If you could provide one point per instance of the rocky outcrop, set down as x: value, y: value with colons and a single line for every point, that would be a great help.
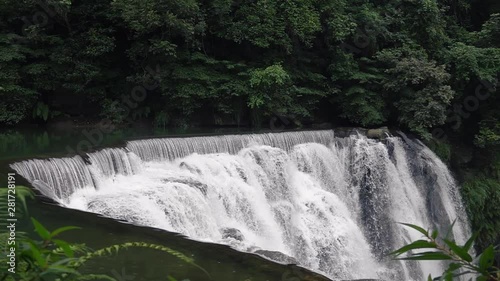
x: 344, y: 132
x: 233, y: 233
x: 277, y: 256
x: 364, y: 280
x: 188, y: 181
x: 380, y: 133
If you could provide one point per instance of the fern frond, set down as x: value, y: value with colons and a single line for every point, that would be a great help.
x: 115, y: 248
x: 96, y: 277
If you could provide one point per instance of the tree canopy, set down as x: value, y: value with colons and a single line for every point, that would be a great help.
x: 399, y: 62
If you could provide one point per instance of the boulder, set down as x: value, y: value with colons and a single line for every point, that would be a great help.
x: 277, y: 256
x: 345, y: 132
x: 380, y: 133
x: 233, y: 233
x: 188, y: 181
x: 364, y: 280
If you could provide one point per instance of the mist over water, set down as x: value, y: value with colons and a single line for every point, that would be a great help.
x: 330, y: 204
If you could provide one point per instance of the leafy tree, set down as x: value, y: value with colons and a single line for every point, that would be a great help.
x: 16, y: 99
x: 363, y: 100
x: 421, y: 91
x: 266, y: 23
x: 274, y: 93
x: 482, y: 194
x: 488, y: 36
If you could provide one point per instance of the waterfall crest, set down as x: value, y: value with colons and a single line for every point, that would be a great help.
x: 326, y: 203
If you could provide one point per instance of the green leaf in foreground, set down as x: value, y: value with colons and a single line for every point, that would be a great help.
x: 417, y: 228
x: 470, y: 242
x: 40, y: 229
x: 487, y: 258
x: 459, y: 251
x: 61, y: 230
x: 427, y: 256
x: 419, y: 244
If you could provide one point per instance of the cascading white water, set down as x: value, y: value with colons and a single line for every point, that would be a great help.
x: 329, y: 204
x: 56, y: 178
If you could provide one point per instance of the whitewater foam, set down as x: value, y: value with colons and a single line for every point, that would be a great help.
x: 330, y: 203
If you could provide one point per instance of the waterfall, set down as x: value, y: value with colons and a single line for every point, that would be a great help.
x: 327, y: 203
x: 57, y: 177
x: 172, y: 148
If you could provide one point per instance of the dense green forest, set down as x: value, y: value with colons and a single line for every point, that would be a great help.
x: 426, y: 66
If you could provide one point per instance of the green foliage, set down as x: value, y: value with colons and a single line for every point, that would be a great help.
x: 489, y: 133
x: 41, y: 111
x: 141, y: 112
x: 488, y: 36
x: 268, y: 23
x: 421, y: 90
x: 20, y: 194
x: 161, y: 120
x: 482, y: 195
x: 173, y: 18
x: 115, y: 111
x: 270, y: 84
x: 391, y: 63
x: 425, y: 20
x: 471, y: 62
x: 363, y: 106
x: 436, y: 248
x: 441, y: 148
x: 362, y: 101
x: 16, y: 99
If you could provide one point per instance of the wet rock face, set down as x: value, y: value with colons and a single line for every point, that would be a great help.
x: 277, y: 256
x: 188, y: 181
x: 379, y: 133
x: 364, y: 280
x: 232, y: 233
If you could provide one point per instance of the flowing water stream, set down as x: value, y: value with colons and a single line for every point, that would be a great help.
x: 327, y: 203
